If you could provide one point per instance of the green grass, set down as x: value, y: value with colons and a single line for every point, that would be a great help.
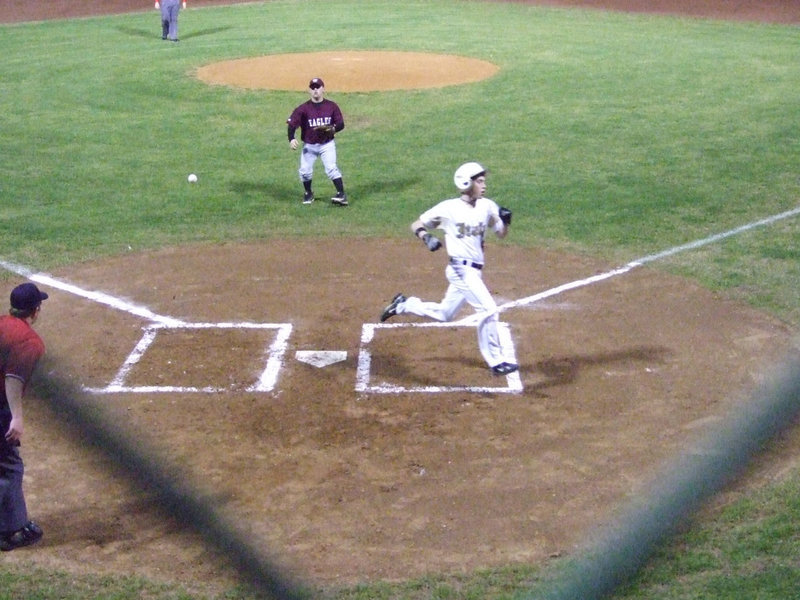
x: 39, y: 584
x: 607, y: 134
x: 749, y: 551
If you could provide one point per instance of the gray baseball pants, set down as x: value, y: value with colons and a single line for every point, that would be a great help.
x: 169, y: 17
x: 326, y: 153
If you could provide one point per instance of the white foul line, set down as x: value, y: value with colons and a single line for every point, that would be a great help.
x: 98, y: 297
x: 719, y: 236
x: 636, y: 263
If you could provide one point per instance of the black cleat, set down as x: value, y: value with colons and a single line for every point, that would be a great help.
x: 504, y: 368
x: 391, y: 309
x: 308, y: 197
x: 29, y: 534
x: 340, y: 199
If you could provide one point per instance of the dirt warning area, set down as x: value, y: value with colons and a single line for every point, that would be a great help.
x: 422, y: 461
x: 768, y: 11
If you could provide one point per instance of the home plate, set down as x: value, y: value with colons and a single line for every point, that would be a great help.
x: 321, y: 358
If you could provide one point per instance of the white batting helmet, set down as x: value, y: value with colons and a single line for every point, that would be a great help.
x: 465, y: 174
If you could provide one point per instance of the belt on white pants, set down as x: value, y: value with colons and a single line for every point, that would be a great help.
x: 466, y: 263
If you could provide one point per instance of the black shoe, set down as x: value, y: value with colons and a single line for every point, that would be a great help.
x: 308, y: 197
x: 391, y: 309
x: 504, y: 368
x: 340, y: 199
x: 29, y: 534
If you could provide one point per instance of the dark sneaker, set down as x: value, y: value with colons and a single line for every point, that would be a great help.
x: 340, y: 199
x: 308, y: 197
x: 391, y: 309
x: 504, y: 368
x: 29, y: 534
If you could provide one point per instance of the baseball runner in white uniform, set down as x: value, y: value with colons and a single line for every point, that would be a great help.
x: 465, y: 221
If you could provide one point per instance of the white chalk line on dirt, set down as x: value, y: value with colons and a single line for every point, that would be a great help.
x: 363, y: 372
x: 99, y: 297
x: 635, y: 263
x: 267, y: 378
x: 265, y: 383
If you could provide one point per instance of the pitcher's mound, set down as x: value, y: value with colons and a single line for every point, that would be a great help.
x: 348, y: 71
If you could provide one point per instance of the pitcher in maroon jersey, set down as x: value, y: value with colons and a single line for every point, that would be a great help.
x: 319, y: 120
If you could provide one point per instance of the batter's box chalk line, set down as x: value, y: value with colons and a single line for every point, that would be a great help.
x: 364, y: 382
x: 274, y: 357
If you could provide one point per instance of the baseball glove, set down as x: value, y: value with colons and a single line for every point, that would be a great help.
x: 505, y: 216
x: 431, y: 242
x: 325, y: 132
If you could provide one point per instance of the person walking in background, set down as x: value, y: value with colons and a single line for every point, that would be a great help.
x: 20, y: 351
x: 319, y: 120
x: 465, y: 221
x: 169, y: 18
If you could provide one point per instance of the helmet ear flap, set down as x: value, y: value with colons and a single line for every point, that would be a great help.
x: 465, y: 174
x: 462, y: 183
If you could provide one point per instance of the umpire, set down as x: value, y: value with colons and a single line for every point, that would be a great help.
x: 20, y: 351
x: 169, y: 18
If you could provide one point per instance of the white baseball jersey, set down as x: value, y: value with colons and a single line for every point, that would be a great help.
x: 464, y: 225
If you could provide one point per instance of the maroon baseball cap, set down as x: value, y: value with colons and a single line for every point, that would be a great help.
x: 27, y: 297
x: 316, y: 83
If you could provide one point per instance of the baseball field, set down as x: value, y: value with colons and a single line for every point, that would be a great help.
x: 649, y: 285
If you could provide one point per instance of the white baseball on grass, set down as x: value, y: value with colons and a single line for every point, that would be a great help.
x: 192, y: 178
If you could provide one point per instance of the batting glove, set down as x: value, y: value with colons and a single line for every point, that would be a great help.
x: 431, y: 242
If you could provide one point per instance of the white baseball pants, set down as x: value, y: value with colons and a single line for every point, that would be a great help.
x: 466, y: 285
x: 326, y: 153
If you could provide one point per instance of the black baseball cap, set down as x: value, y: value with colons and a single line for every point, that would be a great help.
x: 27, y: 297
x: 316, y: 83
